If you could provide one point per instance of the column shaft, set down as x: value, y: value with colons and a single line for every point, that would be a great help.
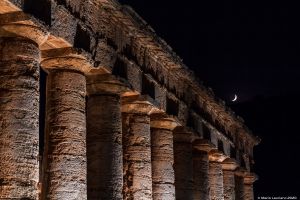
x: 104, y: 147
x: 200, y: 174
x: 216, y: 181
x: 229, y: 185
x: 19, y: 118
x: 183, y: 156
x: 66, y: 134
x: 137, y: 156
x: 162, y: 164
x: 248, y: 192
x: 239, y: 188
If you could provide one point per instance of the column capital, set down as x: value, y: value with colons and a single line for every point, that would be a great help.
x: 229, y: 164
x: 249, y: 177
x: 7, y: 7
x: 16, y: 24
x: 216, y: 156
x: 162, y: 121
x: 203, y: 145
x: 139, y: 105
x: 105, y: 84
x: 66, y: 58
x: 181, y: 134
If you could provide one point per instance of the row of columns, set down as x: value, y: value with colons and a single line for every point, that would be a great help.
x: 105, y: 148
x: 210, y: 175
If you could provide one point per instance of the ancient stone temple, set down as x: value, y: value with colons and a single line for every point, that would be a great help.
x: 122, y: 116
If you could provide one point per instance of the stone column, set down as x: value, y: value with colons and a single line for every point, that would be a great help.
x: 19, y: 109
x: 229, y: 165
x: 244, y: 184
x: 249, y: 179
x: 183, y: 165
x: 201, y: 168
x: 216, y: 175
x: 137, y: 149
x: 239, y: 185
x: 104, y: 138
x: 65, y: 127
x: 162, y: 158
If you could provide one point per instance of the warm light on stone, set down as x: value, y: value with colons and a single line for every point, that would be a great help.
x: 19, y: 111
x: 104, y: 138
x: 163, y: 158
x: 124, y: 118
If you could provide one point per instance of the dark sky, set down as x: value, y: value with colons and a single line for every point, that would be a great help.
x: 251, y: 48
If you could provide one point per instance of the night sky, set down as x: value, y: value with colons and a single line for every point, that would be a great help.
x: 248, y: 48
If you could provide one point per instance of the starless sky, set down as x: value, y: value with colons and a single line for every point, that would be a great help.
x: 250, y: 48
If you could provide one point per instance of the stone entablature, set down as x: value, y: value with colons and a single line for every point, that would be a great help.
x: 150, y: 86
x: 105, y: 27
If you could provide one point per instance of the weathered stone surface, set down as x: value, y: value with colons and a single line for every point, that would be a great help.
x: 229, y: 166
x: 239, y: 187
x: 183, y: 166
x: 229, y: 185
x: 137, y: 156
x: 249, y: 179
x: 104, y: 141
x: 216, y: 181
x: 248, y: 192
x: 19, y: 120
x: 31, y: 32
x: 108, y: 32
x: 244, y: 184
x: 201, y: 175
x: 162, y: 159
x: 66, y: 135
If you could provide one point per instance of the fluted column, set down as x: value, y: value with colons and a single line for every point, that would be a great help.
x: 162, y: 158
x: 201, y: 169
x: 19, y: 109
x: 137, y: 149
x: 183, y: 165
x: 216, y: 175
x: 229, y: 165
x: 65, y: 127
x: 104, y: 138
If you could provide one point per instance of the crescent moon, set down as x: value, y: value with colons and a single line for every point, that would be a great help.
x: 235, y: 98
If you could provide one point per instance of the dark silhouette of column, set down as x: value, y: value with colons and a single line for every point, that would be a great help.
x: 201, y: 168
x: 239, y: 185
x: 104, y: 138
x: 183, y: 165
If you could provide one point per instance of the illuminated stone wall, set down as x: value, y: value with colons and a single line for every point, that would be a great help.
x: 125, y: 118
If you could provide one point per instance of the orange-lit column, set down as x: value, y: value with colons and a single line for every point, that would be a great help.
x: 162, y: 158
x: 201, y: 168
x: 229, y: 165
x: 249, y: 179
x: 216, y: 175
x: 104, y: 138
x: 19, y: 110
x: 137, y: 149
x: 183, y: 165
x: 66, y: 170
